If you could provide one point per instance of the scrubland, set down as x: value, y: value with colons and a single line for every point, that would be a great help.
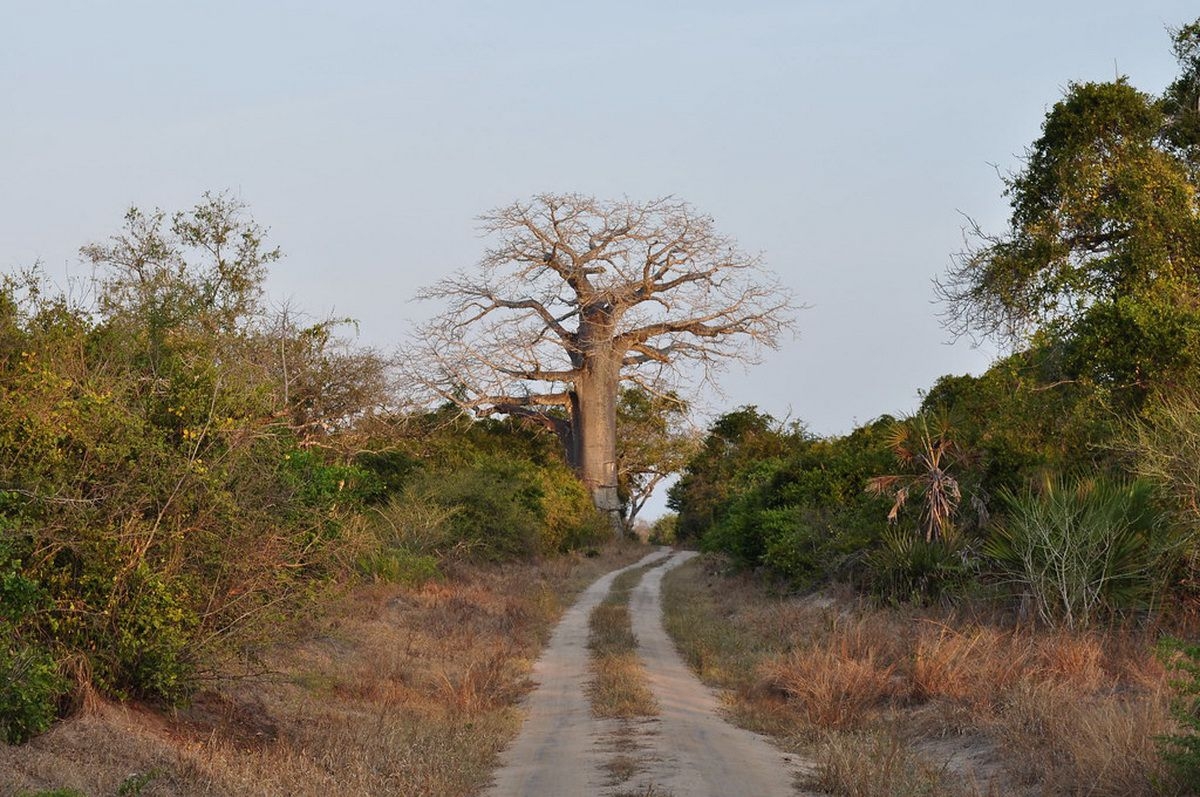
x: 395, y: 690
x: 908, y: 701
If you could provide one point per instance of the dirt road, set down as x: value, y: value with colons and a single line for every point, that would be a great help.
x: 556, y: 753
x: 688, y: 751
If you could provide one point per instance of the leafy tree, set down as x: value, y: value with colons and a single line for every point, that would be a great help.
x: 736, y: 441
x: 1020, y: 426
x: 578, y: 296
x: 650, y: 445
x: 1181, y: 100
x: 1101, y: 261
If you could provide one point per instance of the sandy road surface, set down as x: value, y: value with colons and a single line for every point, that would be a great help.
x: 689, y: 751
x: 696, y: 752
x: 556, y: 752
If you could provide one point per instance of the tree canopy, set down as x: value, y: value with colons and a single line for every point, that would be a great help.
x: 1101, y: 260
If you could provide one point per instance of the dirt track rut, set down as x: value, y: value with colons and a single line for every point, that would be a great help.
x: 688, y: 751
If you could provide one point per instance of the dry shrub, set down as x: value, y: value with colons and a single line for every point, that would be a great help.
x: 1066, y: 712
x: 833, y: 687
x: 484, y: 684
x: 973, y: 667
x: 1074, y: 660
x: 1130, y: 660
x: 1070, y: 744
x: 874, y: 765
x: 775, y: 622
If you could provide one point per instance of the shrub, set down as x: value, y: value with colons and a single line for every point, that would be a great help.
x: 663, y: 530
x: 169, y: 455
x: 1081, y: 550
x: 30, y: 688
x: 974, y: 666
x: 908, y: 567
x: 1181, y: 750
x: 400, y: 566
x: 833, y: 687
x: 496, y: 507
x: 30, y: 684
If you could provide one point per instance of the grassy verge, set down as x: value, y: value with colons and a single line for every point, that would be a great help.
x: 618, y: 689
x: 906, y: 702
x: 396, y: 690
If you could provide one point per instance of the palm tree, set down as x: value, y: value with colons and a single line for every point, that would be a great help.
x: 924, y: 445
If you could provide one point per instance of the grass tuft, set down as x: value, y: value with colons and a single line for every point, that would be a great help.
x: 618, y: 689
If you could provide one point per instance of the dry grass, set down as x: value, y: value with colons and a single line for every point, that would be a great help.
x: 396, y: 690
x: 1064, y: 742
x: 618, y: 688
x: 876, y: 764
x: 832, y: 689
x: 971, y: 667
x: 1040, y: 711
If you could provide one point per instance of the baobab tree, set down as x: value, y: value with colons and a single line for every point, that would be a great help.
x: 577, y: 296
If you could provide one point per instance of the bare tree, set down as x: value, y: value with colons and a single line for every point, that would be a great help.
x: 578, y: 295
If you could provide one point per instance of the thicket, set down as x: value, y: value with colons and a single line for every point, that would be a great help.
x: 182, y: 468
x: 457, y: 488
x: 1062, y: 481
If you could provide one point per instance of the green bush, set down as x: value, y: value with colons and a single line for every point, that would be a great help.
x: 1181, y: 750
x: 1082, y: 550
x: 151, y: 637
x: 30, y: 690
x: 497, y: 507
x: 30, y: 684
x: 400, y: 566
x: 907, y: 567
x: 170, y: 455
x: 663, y: 530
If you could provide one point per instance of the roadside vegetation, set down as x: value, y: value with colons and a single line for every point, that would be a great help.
x: 394, y: 689
x: 952, y: 700
x: 232, y: 562
x: 1013, y: 567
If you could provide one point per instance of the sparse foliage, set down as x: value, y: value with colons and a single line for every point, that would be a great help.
x: 925, y: 445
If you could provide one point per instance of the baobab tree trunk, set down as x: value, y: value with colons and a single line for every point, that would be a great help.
x: 594, y: 422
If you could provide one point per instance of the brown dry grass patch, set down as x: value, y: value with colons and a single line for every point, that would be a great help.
x: 831, y: 689
x: 395, y: 690
x: 876, y: 764
x: 1063, y: 742
x: 618, y: 689
x: 1044, y: 711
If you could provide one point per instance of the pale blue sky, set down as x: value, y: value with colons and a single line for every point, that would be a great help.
x: 840, y: 139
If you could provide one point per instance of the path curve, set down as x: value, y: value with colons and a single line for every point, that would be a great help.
x: 695, y: 752
x: 555, y: 753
